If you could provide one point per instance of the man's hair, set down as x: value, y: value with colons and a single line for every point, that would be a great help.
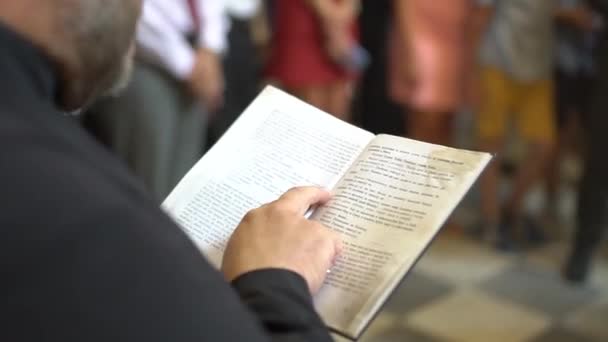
x: 101, y: 32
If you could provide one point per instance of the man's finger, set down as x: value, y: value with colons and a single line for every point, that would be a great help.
x: 302, y: 198
x: 339, y: 245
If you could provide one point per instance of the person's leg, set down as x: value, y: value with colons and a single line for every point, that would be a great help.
x: 591, y: 217
x: 314, y: 95
x: 139, y: 125
x: 563, y: 113
x: 593, y: 192
x: 242, y: 75
x: 432, y: 127
x: 528, y: 173
x: 491, y: 124
x: 565, y: 141
x: 110, y: 121
x: 535, y: 110
x: 377, y: 112
x: 154, y: 104
x: 489, y: 182
x: 339, y: 97
x: 189, y: 139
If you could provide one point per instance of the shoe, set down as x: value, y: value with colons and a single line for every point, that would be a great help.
x: 483, y: 231
x: 577, y: 267
x: 505, y: 241
x: 506, y: 244
x: 533, y: 232
x: 476, y: 230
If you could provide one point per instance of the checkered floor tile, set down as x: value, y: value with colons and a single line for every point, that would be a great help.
x: 464, y: 291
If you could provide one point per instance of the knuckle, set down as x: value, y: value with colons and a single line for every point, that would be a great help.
x: 318, y: 227
x: 250, y: 215
x: 288, y: 194
x: 262, y: 209
x: 322, y: 234
x: 324, y: 229
x: 281, y: 210
x: 295, y: 189
x: 295, y: 192
x: 275, y: 208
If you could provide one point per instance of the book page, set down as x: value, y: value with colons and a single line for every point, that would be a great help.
x: 388, y: 207
x: 278, y: 143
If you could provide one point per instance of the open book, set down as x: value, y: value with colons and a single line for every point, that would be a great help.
x: 391, y: 196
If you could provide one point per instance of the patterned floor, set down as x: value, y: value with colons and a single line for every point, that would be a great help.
x: 464, y: 291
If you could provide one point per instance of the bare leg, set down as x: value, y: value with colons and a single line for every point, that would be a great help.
x: 339, y: 99
x: 431, y: 127
x: 552, y: 175
x: 528, y: 173
x: 489, y: 182
x: 565, y: 139
x: 314, y: 95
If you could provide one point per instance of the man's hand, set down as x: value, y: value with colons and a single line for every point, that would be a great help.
x: 207, y: 80
x: 277, y: 235
x: 336, y: 20
x: 338, y: 43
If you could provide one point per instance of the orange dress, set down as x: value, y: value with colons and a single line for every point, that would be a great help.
x: 427, y: 70
x: 298, y: 56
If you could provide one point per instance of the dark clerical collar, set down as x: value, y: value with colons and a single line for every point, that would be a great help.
x: 23, y: 65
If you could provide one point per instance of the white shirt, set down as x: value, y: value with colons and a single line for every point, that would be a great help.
x: 242, y: 9
x: 164, y: 26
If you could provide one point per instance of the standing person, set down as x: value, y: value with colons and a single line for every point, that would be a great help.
x: 375, y: 110
x: 593, y: 193
x: 242, y: 65
x: 311, y: 51
x: 428, y: 62
x: 158, y: 125
x: 574, y: 73
x: 86, y: 254
x: 515, y: 79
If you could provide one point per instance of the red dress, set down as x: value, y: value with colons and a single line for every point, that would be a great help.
x: 298, y: 57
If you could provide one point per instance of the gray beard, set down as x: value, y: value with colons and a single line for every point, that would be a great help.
x: 121, y: 81
x: 124, y: 77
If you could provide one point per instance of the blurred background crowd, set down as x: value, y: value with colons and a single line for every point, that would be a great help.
x: 524, y: 79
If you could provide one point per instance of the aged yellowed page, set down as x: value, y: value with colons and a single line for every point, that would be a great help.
x: 388, y: 207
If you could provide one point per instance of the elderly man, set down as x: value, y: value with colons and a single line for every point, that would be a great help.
x: 86, y: 255
x: 516, y: 64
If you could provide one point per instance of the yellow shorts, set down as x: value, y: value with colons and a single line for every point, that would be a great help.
x: 529, y: 104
